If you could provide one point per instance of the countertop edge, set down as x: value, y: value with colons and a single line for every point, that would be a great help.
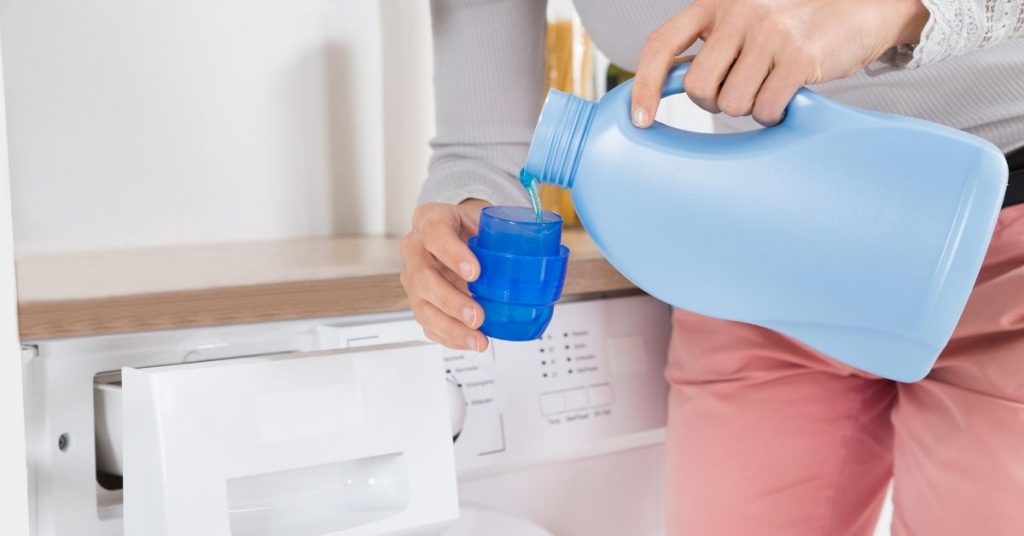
x: 265, y: 302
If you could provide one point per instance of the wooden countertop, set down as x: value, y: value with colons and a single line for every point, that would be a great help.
x: 96, y: 293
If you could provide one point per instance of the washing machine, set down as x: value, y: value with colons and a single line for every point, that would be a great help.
x: 353, y: 426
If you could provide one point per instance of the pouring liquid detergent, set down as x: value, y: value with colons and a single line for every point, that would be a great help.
x: 530, y: 184
x: 857, y: 233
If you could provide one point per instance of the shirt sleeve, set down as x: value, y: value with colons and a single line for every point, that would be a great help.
x: 488, y: 84
x: 957, y: 27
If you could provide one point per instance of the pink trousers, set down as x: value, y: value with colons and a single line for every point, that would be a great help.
x: 766, y: 437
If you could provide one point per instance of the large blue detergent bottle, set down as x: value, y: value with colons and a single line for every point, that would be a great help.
x: 859, y: 234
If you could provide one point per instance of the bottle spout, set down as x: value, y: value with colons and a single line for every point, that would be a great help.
x: 559, y: 138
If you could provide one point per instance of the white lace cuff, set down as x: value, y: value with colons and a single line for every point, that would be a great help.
x: 956, y: 27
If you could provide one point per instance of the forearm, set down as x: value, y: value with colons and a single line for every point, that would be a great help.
x: 488, y: 83
x: 485, y: 171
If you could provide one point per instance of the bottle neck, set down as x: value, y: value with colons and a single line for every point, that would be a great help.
x: 559, y: 138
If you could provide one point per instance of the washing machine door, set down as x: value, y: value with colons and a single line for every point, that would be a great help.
x: 476, y: 520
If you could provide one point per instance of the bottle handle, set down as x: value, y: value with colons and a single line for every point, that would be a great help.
x: 674, y: 80
x: 803, y: 101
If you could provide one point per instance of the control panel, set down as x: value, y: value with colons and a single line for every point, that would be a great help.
x: 592, y: 384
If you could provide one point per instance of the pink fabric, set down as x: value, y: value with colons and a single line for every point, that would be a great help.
x: 766, y: 437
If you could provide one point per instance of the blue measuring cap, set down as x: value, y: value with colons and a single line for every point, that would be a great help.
x: 522, y: 270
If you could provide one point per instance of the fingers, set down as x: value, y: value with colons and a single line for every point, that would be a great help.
x: 755, y: 57
x: 437, y: 227
x: 443, y: 329
x: 454, y: 279
x: 426, y: 283
x: 437, y: 296
x: 736, y: 98
x: 778, y: 89
x: 423, y: 278
x: 661, y: 48
x: 470, y: 212
x: 706, y: 74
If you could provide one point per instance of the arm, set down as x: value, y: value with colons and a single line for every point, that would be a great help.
x: 956, y: 27
x: 488, y: 79
x: 488, y: 84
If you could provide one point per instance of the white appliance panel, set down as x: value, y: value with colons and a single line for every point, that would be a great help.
x: 579, y: 412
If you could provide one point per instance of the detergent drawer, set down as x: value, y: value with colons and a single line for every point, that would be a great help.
x: 341, y: 442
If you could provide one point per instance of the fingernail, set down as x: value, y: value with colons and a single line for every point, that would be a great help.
x: 640, y: 117
x: 466, y: 269
x: 469, y: 316
x: 471, y: 342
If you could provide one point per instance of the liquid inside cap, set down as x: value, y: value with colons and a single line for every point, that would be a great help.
x: 516, y: 231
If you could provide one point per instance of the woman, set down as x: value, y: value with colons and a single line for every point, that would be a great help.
x: 764, y: 435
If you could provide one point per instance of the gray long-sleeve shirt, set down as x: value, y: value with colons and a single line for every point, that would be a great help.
x: 967, y: 72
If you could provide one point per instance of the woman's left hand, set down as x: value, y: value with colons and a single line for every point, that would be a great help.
x: 757, y: 53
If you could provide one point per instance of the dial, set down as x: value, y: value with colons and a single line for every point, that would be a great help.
x: 456, y: 407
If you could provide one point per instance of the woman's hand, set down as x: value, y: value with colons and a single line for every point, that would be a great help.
x: 438, y: 265
x: 757, y: 53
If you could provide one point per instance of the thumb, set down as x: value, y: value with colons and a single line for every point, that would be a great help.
x: 469, y: 214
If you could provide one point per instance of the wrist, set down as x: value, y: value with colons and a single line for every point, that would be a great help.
x: 913, y: 17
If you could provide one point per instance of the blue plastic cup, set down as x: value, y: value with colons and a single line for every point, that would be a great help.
x: 522, y: 271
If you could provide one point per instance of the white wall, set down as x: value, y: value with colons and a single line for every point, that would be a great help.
x: 408, y: 91
x: 144, y: 122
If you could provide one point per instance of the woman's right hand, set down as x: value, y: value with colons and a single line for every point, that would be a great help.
x: 438, y: 266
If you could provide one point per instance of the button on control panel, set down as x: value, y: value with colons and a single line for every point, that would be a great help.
x: 580, y: 398
x: 600, y: 395
x: 552, y: 403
